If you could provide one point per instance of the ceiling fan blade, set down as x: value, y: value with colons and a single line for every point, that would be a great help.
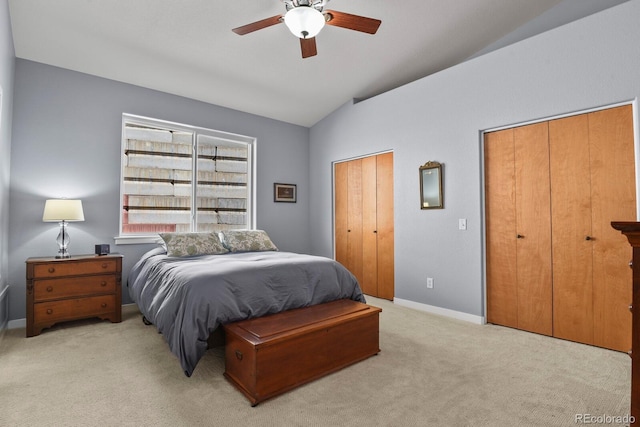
x: 308, y: 47
x: 352, y: 22
x: 258, y: 25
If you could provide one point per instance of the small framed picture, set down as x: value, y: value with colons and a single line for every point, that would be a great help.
x: 284, y: 193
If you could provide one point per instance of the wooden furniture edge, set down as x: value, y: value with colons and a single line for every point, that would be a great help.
x: 632, y: 231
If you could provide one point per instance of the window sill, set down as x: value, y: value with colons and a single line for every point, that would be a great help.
x: 137, y: 240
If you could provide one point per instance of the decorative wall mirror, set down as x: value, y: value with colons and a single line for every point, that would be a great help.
x: 431, y: 186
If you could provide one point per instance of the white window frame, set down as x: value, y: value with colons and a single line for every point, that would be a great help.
x: 195, y: 130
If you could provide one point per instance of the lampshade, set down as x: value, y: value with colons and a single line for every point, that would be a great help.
x: 62, y: 210
x: 304, y: 22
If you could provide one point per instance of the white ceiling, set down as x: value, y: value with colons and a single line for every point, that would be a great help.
x: 186, y: 47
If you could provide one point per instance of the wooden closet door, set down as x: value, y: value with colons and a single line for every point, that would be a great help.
x: 613, y: 194
x: 354, y: 219
x: 384, y: 226
x: 363, y: 191
x: 341, y: 197
x: 348, y: 216
x: 500, y: 214
x: 533, y: 228
x: 571, y: 227
x: 369, y: 283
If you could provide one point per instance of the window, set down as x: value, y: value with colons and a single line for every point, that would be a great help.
x: 180, y: 178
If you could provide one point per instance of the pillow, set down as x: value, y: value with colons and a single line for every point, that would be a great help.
x: 191, y: 244
x: 248, y: 241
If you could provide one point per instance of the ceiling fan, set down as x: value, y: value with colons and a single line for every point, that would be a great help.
x: 305, y: 19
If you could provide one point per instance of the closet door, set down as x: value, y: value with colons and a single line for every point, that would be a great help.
x: 517, y: 202
x: 354, y: 219
x: 341, y: 195
x: 533, y: 228
x: 613, y: 194
x: 369, y: 283
x: 364, y: 222
x: 500, y: 213
x: 348, y: 216
x: 572, y: 231
x: 384, y: 226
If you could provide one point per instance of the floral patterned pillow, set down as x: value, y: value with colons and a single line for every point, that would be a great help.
x: 191, y: 244
x: 248, y: 241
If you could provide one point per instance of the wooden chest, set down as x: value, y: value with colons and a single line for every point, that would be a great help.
x: 73, y: 288
x: 270, y: 355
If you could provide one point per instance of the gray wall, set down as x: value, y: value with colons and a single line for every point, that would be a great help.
x: 589, y: 63
x: 7, y: 61
x: 562, y: 13
x: 66, y: 143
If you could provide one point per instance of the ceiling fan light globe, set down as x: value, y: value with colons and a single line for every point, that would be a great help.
x: 304, y: 22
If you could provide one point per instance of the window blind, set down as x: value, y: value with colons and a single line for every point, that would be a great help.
x: 178, y: 181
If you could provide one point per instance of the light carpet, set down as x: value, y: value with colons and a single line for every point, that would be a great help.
x: 432, y: 371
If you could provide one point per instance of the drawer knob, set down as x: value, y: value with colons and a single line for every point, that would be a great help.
x: 49, y: 311
x: 49, y: 289
x: 51, y: 270
x: 238, y: 355
x: 105, y: 265
x: 103, y: 283
x: 103, y: 305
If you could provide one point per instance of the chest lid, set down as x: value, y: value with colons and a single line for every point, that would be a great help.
x: 296, y: 320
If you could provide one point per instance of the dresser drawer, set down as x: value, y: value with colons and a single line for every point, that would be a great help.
x: 73, y: 287
x: 69, y: 268
x: 54, y: 311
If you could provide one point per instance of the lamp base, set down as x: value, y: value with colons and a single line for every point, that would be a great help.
x: 63, y: 241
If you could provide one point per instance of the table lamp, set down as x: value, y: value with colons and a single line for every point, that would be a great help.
x: 63, y: 211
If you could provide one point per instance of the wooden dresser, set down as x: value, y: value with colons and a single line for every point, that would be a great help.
x: 632, y: 231
x: 73, y: 288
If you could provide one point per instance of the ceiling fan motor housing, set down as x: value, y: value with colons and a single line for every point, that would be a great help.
x: 316, y: 4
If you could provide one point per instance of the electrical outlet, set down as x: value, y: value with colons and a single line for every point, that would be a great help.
x: 429, y: 282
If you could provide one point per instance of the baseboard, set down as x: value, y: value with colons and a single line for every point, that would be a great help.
x: 479, y: 320
x: 17, y: 323
x: 4, y: 308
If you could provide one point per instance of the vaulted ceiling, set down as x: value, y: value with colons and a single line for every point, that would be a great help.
x: 187, y: 48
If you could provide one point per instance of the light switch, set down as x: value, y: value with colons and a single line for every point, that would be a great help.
x: 462, y: 224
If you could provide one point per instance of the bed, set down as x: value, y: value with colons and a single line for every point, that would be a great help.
x: 188, y: 290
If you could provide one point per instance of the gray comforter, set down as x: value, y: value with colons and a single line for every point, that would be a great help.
x: 188, y: 298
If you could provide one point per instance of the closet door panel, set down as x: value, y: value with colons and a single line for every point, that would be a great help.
x: 363, y: 191
x: 354, y: 219
x: 384, y: 220
x: 533, y: 223
x: 571, y: 225
x: 614, y: 199
x: 341, y: 189
x: 499, y: 166
x: 369, y: 283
